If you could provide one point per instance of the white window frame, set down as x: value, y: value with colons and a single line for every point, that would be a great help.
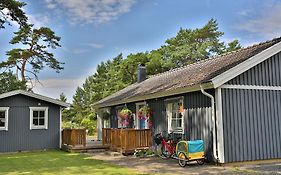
x: 46, y: 117
x: 170, y: 113
x: 137, y: 119
x: 6, y: 109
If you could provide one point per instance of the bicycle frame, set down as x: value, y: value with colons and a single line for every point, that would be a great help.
x: 169, y: 145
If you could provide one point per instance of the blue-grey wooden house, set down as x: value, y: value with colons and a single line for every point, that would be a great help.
x: 231, y: 101
x: 29, y: 121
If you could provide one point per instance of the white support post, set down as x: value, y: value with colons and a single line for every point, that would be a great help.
x: 219, y: 125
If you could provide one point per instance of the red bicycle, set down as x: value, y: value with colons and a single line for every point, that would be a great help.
x: 168, y: 145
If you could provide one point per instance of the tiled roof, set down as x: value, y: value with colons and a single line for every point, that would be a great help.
x: 194, y: 74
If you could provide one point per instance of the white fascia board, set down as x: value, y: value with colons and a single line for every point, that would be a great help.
x: 33, y: 95
x: 251, y: 87
x: 246, y: 65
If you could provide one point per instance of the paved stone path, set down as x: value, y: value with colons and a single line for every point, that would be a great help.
x: 156, y: 165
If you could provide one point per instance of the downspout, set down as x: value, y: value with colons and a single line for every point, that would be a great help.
x: 214, y: 127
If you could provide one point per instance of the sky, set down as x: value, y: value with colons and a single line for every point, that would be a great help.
x: 92, y: 31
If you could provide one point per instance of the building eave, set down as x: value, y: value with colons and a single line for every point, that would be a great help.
x: 208, y: 85
x: 246, y: 65
x: 33, y: 95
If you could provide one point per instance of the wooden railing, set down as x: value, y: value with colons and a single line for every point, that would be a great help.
x: 115, y: 138
x: 74, y: 137
x: 127, y: 140
x: 106, y: 136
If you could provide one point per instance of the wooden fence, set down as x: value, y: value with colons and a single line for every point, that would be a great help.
x: 127, y: 140
x: 74, y: 137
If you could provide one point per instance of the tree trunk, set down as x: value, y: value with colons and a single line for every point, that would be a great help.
x: 22, y: 71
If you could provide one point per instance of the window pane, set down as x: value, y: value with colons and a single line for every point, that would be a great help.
x: 2, y: 122
x: 42, y: 114
x: 2, y: 114
x: 35, y: 122
x: 35, y: 114
x: 41, y: 122
x: 173, y: 124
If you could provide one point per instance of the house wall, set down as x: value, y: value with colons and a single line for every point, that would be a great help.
x: 197, y: 121
x: 267, y: 73
x: 252, y: 117
x: 19, y: 137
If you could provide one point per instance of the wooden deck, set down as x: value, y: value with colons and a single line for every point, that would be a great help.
x: 75, y: 140
x: 126, y: 140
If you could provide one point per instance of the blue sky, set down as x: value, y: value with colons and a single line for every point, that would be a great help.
x: 92, y: 31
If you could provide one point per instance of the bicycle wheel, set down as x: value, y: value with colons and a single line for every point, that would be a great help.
x: 165, y: 154
x: 182, y: 159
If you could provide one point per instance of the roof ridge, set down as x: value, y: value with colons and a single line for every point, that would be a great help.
x: 216, y: 56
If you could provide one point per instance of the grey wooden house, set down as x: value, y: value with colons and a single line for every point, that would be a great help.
x: 29, y: 121
x: 232, y: 102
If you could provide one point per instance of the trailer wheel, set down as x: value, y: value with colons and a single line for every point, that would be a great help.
x: 182, y: 159
x: 200, y: 161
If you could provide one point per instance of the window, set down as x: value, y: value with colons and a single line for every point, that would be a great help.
x: 138, y: 122
x: 38, y: 117
x: 175, y: 114
x: 4, y: 118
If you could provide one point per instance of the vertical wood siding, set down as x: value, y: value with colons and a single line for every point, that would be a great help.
x: 19, y: 137
x: 251, y: 123
x: 252, y: 118
x: 267, y: 73
x: 197, y: 122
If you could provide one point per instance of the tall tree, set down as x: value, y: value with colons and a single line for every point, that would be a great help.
x: 130, y: 64
x: 9, y: 82
x: 11, y: 10
x: 191, y: 45
x: 232, y: 46
x: 35, y: 52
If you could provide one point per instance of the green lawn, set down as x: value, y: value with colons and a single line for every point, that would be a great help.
x: 56, y: 162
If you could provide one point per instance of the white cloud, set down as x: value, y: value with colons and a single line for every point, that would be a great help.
x: 94, y: 45
x: 54, y: 87
x: 89, y: 11
x: 39, y: 20
x: 75, y: 50
x: 267, y: 24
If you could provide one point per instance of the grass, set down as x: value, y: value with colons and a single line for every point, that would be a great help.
x: 56, y: 162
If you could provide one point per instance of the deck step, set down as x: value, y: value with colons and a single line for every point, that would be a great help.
x: 82, y: 149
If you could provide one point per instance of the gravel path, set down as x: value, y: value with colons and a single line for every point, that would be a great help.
x: 156, y: 165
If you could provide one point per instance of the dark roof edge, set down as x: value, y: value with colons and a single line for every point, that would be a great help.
x: 33, y: 95
x: 177, y: 91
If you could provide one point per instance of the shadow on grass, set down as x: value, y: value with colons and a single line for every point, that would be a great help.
x: 56, y: 162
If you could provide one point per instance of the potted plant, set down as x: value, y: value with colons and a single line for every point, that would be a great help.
x: 126, y: 116
x: 144, y: 113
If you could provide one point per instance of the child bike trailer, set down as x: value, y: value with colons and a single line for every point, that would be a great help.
x: 190, y: 151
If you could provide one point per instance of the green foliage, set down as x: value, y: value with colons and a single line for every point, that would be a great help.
x: 63, y: 97
x: 14, y: 12
x: 35, y: 52
x: 9, y: 82
x: 232, y: 46
x: 191, y: 45
x: 125, y: 112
